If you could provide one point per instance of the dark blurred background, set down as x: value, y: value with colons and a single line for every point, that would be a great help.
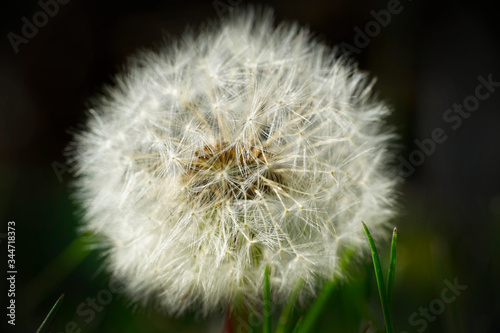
x: 428, y: 58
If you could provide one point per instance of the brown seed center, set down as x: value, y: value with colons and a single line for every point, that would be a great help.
x: 227, y: 172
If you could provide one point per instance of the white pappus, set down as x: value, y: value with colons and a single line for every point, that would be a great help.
x: 243, y: 146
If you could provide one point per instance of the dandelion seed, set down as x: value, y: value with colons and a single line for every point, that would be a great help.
x: 212, y: 122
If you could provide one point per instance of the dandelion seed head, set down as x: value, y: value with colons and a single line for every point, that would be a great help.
x: 245, y: 146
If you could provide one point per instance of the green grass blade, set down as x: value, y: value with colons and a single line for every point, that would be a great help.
x: 380, y: 282
x: 267, y: 303
x: 54, y: 273
x: 309, y: 321
x: 392, y: 268
x: 315, y: 311
x: 285, y: 315
x: 298, y: 325
x: 50, y: 315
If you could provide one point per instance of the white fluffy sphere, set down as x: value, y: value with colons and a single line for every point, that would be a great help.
x: 241, y: 147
